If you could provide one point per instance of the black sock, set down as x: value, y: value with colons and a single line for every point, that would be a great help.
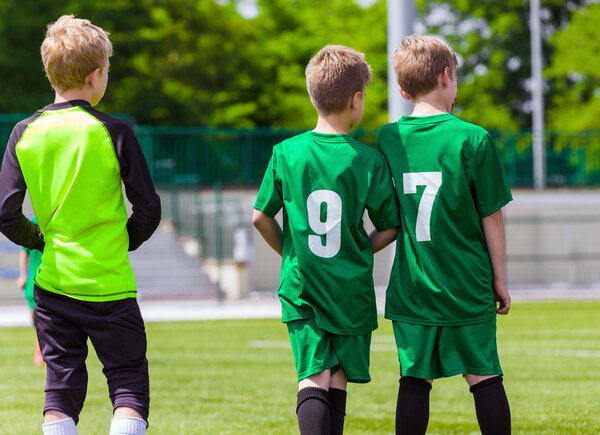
x: 491, y: 406
x: 337, y: 410
x: 412, y: 409
x: 313, y: 411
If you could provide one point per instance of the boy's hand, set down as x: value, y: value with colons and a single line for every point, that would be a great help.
x: 21, y: 281
x: 380, y: 239
x: 501, y: 298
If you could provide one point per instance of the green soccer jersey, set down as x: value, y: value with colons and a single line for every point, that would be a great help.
x: 324, y: 183
x: 448, y: 176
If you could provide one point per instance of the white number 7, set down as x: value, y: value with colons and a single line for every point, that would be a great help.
x: 432, y: 182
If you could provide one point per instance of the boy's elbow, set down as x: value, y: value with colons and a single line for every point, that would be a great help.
x: 258, y: 218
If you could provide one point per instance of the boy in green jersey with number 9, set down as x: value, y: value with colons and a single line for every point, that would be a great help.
x: 324, y: 180
x: 449, y: 270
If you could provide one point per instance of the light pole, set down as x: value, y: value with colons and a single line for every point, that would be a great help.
x: 537, y: 96
x: 400, y: 17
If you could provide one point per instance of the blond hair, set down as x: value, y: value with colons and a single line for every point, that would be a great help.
x: 334, y: 75
x: 72, y: 49
x: 419, y: 61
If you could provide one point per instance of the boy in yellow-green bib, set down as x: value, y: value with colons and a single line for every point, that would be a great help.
x: 73, y: 161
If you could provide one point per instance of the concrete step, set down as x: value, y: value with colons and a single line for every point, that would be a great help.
x: 163, y: 270
x: 161, y: 267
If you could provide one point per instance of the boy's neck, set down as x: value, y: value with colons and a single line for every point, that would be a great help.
x: 424, y: 109
x: 334, y: 123
x: 73, y: 94
x: 430, y: 105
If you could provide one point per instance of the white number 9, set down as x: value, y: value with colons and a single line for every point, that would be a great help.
x: 331, y: 228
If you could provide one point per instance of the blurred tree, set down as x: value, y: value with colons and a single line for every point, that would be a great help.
x: 176, y: 61
x: 23, y: 86
x: 575, y: 69
x: 199, y: 62
x: 183, y: 62
x: 292, y: 31
x: 492, y: 39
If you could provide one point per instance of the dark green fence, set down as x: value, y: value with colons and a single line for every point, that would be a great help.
x: 572, y: 158
x: 203, y: 156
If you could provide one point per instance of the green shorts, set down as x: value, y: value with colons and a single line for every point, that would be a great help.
x: 316, y: 350
x: 431, y: 352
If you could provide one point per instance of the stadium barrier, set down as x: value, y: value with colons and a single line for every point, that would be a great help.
x: 203, y: 156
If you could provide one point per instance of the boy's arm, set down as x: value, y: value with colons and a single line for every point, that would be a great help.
x: 380, y: 239
x: 269, y: 229
x: 382, y: 206
x: 139, y: 187
x: 144, y: 200
x: 493, y: 228
x: 23, y: 268
x: 13, y: 224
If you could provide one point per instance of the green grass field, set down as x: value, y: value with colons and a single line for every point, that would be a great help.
x: 237, y: 377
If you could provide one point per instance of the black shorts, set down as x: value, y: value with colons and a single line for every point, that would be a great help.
x: 116, y: 330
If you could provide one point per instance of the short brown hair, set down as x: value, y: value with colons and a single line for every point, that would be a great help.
x: 72, y: 49
x: 334, y: 75
x: 419, y: 61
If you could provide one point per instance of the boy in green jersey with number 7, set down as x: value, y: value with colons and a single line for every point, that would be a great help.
x: 449, y: 270
x: 324, y: 180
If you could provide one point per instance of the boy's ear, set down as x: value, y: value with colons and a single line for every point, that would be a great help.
x: 404, y: 94
x: 91, y: 78
x: 446, y: 75
x: 355, y: 99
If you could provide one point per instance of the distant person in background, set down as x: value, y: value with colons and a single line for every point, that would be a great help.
x: 29, y: 261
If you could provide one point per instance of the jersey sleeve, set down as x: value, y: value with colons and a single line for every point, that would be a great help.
x: 382, y: 201
x: 13, y: 224
x: 139, y: 188
x: 383, y: 137
x: 270, y: 198
x: 488, y: 182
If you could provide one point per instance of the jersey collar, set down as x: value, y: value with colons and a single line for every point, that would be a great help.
x: 66, y: 105
x: 427, y: 119
x: 324, y: 137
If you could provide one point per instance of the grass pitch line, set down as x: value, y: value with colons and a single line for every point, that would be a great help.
x: 582, y: 353
x: 269, y: 344
x: 284, y: 344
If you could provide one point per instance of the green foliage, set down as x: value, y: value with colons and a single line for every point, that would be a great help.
x: 294, y: 31
x: 188, y: 62
x: 238, y: 376
x: 576, y: 71
x: 199, y: 62
x: 493, y: 40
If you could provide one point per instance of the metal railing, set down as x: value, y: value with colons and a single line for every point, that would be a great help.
x: 203, y: 156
